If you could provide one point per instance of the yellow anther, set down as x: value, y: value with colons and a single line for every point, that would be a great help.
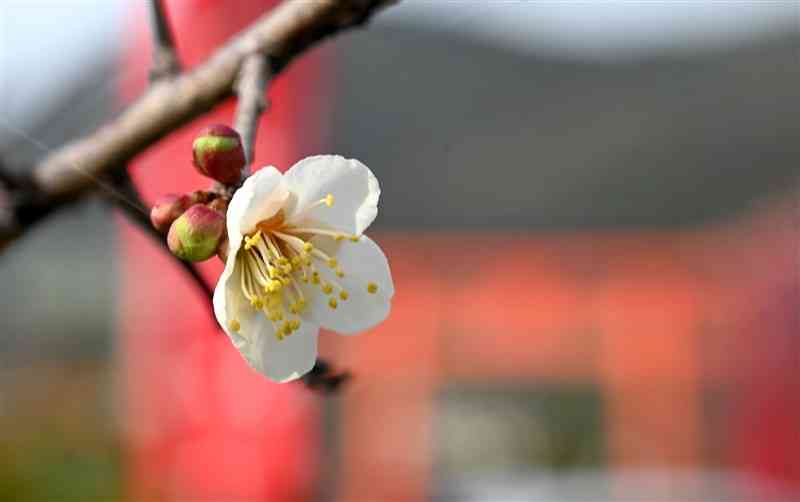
x: 283, y: 261
x: 276, y: 285
x: 249, y: 242
x: 294, y: 324
x: 354, y: 238
x: 286, y: 328
x: 296, y: 261
x: 294, y: 309
x: 234, y: 325
x: 315, y: 278
x: 276, y: 316
x: 327, y: 289
x: 372, y: 288
x: 307, y: 247
x: 333, y: 262
x: 332, y: 303
x: 339, y: 273
x: 279, y: 334
x: 343, y: 295
x: 329, y: 200
x: 338, y: 238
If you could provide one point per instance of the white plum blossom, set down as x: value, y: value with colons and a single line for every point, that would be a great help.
x: 297, y: 261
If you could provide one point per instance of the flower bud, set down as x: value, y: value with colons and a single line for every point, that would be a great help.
x: 167, y: 209
x: 196, y: 234
x: 217, y: 153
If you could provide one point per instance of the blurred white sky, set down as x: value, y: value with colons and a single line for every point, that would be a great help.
x: 44, y: 42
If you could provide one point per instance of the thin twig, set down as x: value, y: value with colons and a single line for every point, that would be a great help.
x: 165, y: 58
x: 251, y: 88
x: 123, y: 182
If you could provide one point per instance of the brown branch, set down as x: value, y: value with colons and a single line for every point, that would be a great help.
x: 279, y: 35
x: 165, y: 59
x: 250, y: 88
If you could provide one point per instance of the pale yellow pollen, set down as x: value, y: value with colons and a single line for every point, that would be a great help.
x: 333, y: 262
x: 315, y: 278
x: 234, y: 325
x: 332, y: 303
x: 327, y: 289
x: 372, y: 288
x: 343, y: 295
x: 329, y: 200
x: 249, y: 242
x: 338, y: 238
x: 257, y: 303
x: 354, y: 238
x: 294, y: 324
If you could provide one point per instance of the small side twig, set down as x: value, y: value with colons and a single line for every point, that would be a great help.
x: 123, y: 182
x: 251, y: 87
x: 165, y: 58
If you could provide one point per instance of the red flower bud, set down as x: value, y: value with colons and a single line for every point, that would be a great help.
x: 196, y: 234
x: 167, y: 209
x: 217, y: 153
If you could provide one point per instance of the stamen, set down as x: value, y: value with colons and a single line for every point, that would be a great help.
x: 344, y: 295
x: 234, y: 325
x: 372, y: 288
x: 332, y: 303
x: 249, y: 242
x: 338, y: 236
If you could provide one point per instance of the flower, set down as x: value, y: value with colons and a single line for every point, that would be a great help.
x: 297, y: 261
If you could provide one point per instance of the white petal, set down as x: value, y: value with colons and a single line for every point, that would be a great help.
x: 259, y: 198
x: 279, y: 360
x: 229, y: 303
x: 353, y: 186
x: 363, y: 262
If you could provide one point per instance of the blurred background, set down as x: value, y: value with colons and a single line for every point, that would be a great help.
x: 590, y: 212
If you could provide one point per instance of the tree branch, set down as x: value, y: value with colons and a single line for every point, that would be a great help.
x: 279, y: 35
x: 250, y: 88
x: 165, y: 58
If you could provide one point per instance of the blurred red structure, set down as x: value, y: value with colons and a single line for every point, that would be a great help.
x: 201, y: 424
x: 654, y: 319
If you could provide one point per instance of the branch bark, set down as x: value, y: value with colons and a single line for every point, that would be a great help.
x: 279, y: 36
x: 250, y: 88
x: 165, y: 58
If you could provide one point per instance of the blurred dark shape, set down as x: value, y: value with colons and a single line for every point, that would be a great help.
x: 323, y: 378
x: 464, y: 135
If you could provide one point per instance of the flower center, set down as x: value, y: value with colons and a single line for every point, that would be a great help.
x: 276, y: 257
